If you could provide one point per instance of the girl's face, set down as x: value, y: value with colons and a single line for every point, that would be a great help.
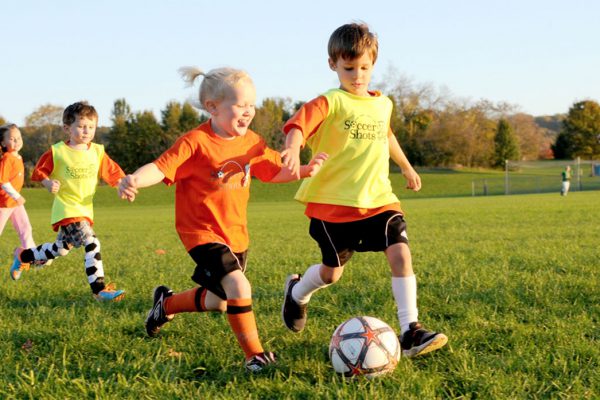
x: 354, y: 75
x: 12, y: 140
x: 232, y: 116
x: 81, y: 131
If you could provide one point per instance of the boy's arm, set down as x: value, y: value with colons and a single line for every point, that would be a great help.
x: 291, y: 154
x: 413, y: 180
x: 286, y: 174
x: 304, y: 122
x: 145, y: 176
x: 43, y: 169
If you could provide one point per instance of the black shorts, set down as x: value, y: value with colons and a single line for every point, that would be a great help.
x: 339, y: 241
x: 213, y: 262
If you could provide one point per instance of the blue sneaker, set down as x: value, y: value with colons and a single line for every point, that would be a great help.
x: 17, y: 266
x: 109, y: 293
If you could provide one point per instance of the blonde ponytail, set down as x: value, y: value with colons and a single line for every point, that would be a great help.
x: 189, y: 74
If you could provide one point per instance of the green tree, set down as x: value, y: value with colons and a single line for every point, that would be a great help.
x: 190, y: 118
x: 170, y: 123
x: 269, y: 120
x: 579, y: 136
x: 506, y: 146
x: 119, y: 147
x: 2, y: 121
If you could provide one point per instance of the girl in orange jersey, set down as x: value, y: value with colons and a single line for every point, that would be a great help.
x: 212, y: 166
x: 12, y: 204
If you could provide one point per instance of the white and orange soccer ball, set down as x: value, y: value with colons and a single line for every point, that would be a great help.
x: 364, y: 346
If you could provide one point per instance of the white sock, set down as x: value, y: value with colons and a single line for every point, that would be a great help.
x: 405, y: 294
x: 309, y: 283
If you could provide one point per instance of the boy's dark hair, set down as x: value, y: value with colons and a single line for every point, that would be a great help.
x: 81, y: 109
x: 351, y: 41
x: 4, y: 129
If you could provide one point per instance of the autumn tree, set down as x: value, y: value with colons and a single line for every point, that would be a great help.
x: 532, y: 139
x: 43, y: 128
x: 47, y: 114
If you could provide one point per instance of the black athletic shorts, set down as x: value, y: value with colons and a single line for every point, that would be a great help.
x: 339, y: 241
x: 213, y: 262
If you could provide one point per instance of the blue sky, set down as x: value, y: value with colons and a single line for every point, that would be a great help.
x: 539, y: 55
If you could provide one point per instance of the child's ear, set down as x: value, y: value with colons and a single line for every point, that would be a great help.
x: 211, y: 107
x: 331, y: 64
x: 66, y: 128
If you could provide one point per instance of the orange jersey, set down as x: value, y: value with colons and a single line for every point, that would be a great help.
x: 12, y: 171
x: 110, y: 172
x: 308, y: 119
x: 212, y: 177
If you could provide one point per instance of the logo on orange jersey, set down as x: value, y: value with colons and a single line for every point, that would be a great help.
x: 232, y: 175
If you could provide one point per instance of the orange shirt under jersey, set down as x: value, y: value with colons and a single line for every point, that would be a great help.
x: 110, y: 172
x: 12, y: 171
x: 308, y: 119
x: 212, y: 177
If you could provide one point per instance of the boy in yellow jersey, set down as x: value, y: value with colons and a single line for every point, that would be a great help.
x: 350, y: 202
x: 70, y: 171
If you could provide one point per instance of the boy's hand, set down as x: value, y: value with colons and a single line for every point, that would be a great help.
x: 315, y: 165
x: 128, y: 188
x: 20, y: 201
x: 413, y: 180
x: 291, y: 160
x: 52, y: 185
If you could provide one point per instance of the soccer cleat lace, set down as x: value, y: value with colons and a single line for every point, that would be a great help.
x: 157, y: 316
x: 294, y: 315
x: 17, y: 266
x: 110, y: 293
x: 418, y: 341
x: 259, y: 361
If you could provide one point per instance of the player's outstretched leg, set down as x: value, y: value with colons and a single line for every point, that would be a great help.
x: 157, y: 316
x: 294, y: 315
x: 418, y: 341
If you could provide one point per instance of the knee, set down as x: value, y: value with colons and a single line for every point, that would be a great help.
x: 331, y: 275
x: 236, y: 285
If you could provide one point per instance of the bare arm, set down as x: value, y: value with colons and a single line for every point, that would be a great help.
x: 286, y: 174
x: 291, y: 153
x: 413, y: 180
x: 145, y: 176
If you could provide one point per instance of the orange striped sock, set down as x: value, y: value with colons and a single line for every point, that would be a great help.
x: 243, y: 324
x: 189, y: 301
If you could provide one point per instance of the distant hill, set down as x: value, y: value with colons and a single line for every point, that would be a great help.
x: 552, y: 124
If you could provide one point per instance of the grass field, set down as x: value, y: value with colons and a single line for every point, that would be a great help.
x: 512, y: 280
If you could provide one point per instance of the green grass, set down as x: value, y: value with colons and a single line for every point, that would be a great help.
x: 512, y: 280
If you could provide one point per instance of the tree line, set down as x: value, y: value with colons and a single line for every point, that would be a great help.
x: 433, y: 128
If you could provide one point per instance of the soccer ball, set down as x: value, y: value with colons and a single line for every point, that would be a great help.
x: 364, y: 346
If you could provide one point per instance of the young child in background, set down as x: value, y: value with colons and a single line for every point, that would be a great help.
x: 350, y: 202
x: 70, y: 171
x: 212, y: 166
x: 12, y: 204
